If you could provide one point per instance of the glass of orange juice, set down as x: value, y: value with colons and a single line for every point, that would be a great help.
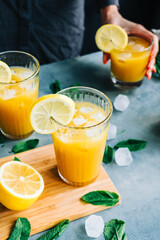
x: 17, y: 96
x: 128, y: 65
x: 79, y: 146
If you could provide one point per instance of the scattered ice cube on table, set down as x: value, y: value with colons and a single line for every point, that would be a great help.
x: 123, y: 157
x: 94, y: 226
x: 112, y: 132
x: 99, y: 117
x: 121, y: 102
x: 86, y: 109
x: 79, y: 121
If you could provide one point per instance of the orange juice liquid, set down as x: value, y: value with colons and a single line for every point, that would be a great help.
x: 79, y: 152
x: 16, y: 100
x: 129, y: 64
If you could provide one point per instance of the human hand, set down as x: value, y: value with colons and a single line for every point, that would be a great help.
x: 111, y: 15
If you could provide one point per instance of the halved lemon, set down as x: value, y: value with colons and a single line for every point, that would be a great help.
x: 49, y: 108
x: 110, y: 36
x: 5, y: 73
x: 20, y: 185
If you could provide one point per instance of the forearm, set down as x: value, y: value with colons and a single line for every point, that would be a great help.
x: 107, y: 12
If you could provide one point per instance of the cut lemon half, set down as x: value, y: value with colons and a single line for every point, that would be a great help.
x: 5, y: 73
x: 110, y: 36
x: 49, y: 108
x: 20, y: 185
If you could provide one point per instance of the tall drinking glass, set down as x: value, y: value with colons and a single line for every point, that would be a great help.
x: 17, y: 96
x: 79, y: 149
x: 128, y: 65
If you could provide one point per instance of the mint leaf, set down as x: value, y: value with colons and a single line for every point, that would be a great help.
x: 76, y: 85
x: 21, y: 230
x: 16, y: 159
x: 114, y: 230
x: 120, y: 132
x: 102, y: 198
x: 131, y: 144
x: 25, y: 145
x: 55, y: 87
x: 2, y: 139
x: 56, y: 231
x: 157, y: 63
x: 108, y: 154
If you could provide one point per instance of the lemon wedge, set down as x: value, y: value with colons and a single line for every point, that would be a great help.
x: 20, y: 185
x: 5, y: 73
x: 49, y: 108
x: 110, y: 36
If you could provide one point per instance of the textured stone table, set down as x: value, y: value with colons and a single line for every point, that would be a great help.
x: 138, y: 183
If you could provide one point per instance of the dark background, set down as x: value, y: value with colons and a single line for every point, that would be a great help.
x: 144, y: 12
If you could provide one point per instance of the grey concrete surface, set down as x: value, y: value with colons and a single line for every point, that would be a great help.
x: 137, y: 183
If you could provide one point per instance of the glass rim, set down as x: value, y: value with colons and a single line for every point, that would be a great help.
x: 28, y: 78
x: 134, y: 33
x: 95, y: 125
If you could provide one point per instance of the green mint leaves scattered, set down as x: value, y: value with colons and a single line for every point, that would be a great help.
x: 25, y: 145
x: 114, y: 230
x: 102, y: 198
x: 157, y: 63
x: 16, y: 159
x: 55, y: 87
x: 56, y: 231
x: 21, y: 230
x: 108, y: 154
x: 131, y: 144
x: 2, y: 139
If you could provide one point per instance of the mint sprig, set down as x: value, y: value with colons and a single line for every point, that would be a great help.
x: 157, y: 63
x: 55, y: 87
x: 114, y: 230
x: 16, y: 159
x: 56, y: 231
x: 21, y: 230
x: 25, y: 145
x: 131, y: 144
x: 108, y: 154
x: 101, y: 198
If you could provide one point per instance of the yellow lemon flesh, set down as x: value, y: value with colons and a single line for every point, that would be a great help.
x: 20, y: 185
x: 5, y: 73
x: 111, y: 36
x: 49, y: 108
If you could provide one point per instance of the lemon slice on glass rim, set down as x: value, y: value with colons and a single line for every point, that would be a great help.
x: 49, y: 108
x: 5, y: 73
x: 110, y: 36
x: 20, y: 185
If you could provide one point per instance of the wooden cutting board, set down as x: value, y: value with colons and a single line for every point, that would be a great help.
x: 58, y: 201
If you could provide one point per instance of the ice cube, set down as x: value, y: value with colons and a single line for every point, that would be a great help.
x: 25, y: 74
x: 123, y: 55
x: 123, y: 157
x: 112, y: 132
x: 121, y: 102
x: 86, y: 109
x: 8, y: 94
x: 131, y: 42
x: 99, y: 117
x: 91, y: 132
x: 78, y: 121
x: 138, y: 47
x: 94, y: 226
